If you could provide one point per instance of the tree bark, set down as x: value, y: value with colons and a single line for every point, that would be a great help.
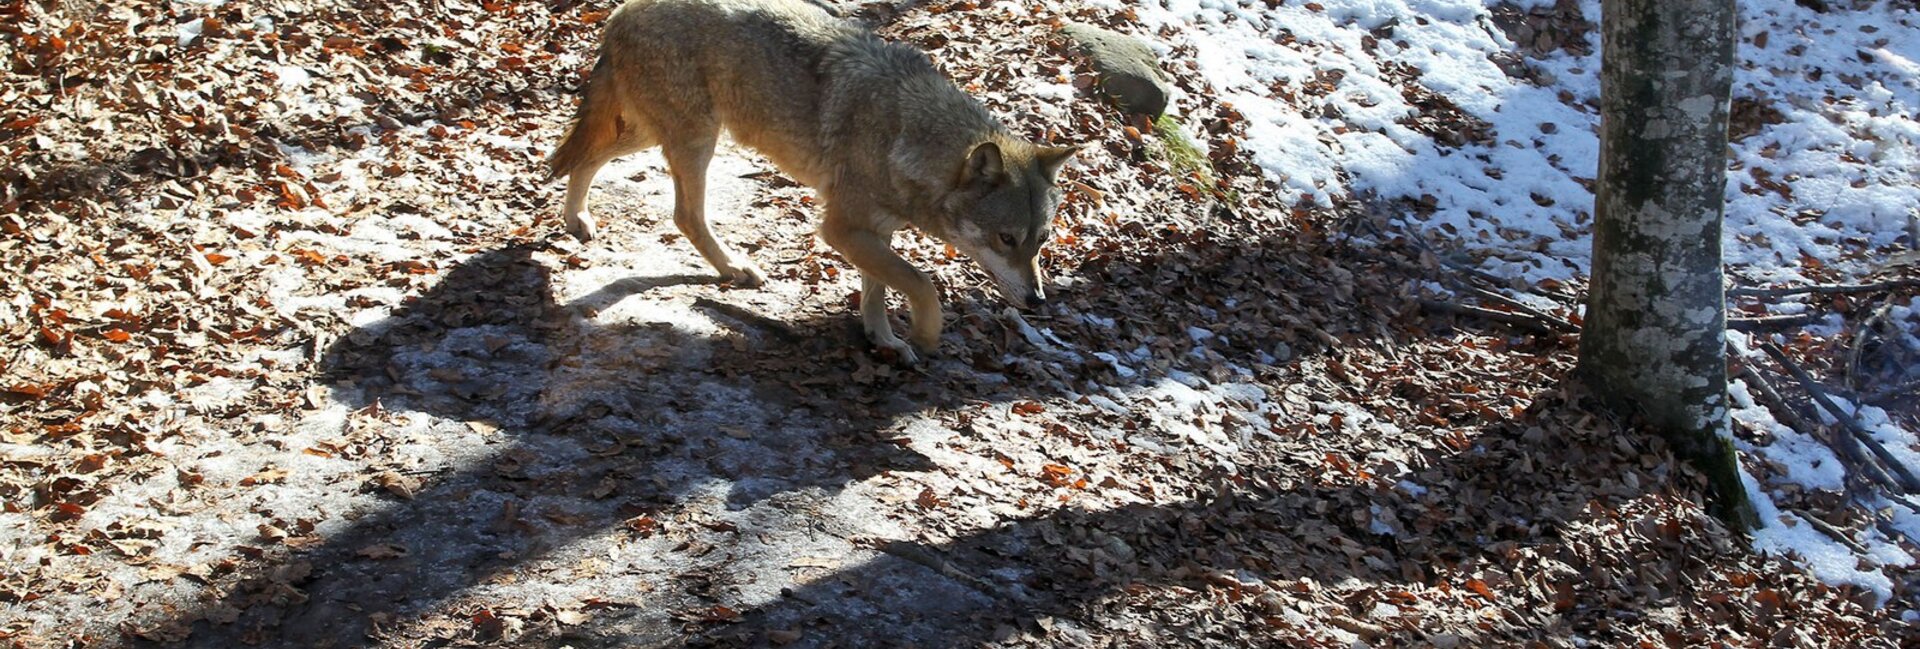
x: 1654, y: 341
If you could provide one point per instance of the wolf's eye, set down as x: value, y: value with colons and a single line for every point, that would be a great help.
x: 1007, y: 240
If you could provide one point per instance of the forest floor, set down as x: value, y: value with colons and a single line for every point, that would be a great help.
x: 299, y: 355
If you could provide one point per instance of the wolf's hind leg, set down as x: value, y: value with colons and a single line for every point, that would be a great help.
x: 579, y: 221
x: 688, y: 162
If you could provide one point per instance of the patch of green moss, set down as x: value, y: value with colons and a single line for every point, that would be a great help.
x: 1182, y: 154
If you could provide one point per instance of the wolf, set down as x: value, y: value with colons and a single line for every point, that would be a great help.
x: 881, y: 136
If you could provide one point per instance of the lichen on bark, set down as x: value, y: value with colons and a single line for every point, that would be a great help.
x: 1654, y: 341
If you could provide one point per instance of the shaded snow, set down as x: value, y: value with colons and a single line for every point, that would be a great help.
x: 1847, y: 85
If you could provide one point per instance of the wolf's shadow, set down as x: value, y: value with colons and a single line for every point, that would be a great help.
x: 564, y: 429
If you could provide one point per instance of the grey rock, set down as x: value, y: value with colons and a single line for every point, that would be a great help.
x: 1130, y: 73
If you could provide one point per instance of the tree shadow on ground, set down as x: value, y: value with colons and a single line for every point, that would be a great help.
x: 579, y: 429
x: 1263, y: 559
x: 568, y: 429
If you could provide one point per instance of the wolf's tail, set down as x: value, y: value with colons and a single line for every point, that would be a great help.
x: 595, y: 127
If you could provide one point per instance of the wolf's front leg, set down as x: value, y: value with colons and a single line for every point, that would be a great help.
x: 870, y: 253
x: 873, y: 318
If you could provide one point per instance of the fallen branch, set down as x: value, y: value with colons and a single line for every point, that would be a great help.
x: 1861, y: 335
x: 1837, y: 534
x: 1822, y: 289
x: 1522, y: 321
x: 1904, y: 500
x: 1366, y: 631
x: 1763, y: 392
x: 1551, y: 323
x: 1773, y: 321
x: 1556, y: 322
x: 1891, y: 531
x: 1427, y: 248
x: 1905, y: 480
x: 1862, y: 471
x: 1908, y: 387
x: 1521, y: 315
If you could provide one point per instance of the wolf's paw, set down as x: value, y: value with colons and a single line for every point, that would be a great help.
x: 928, y: 342
x: 743, y: 276
x: 902, y: 352
x: 581, y: 226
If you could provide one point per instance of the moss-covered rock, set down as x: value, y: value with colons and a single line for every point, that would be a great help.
x: 1129, y: 70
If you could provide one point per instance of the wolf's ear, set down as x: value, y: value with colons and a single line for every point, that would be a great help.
x: 984, y: 166
x: 1052, y: 158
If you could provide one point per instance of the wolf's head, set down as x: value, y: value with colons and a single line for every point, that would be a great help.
x: 1000, y: 212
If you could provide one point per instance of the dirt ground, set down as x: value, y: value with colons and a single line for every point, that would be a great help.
x: 309, y: 362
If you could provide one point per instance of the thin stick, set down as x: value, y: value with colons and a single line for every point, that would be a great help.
x: 1861, y: 335
x: 1534, y: 319
x: 1904, y: 501
x: 1764, y: 393
x: 1908, y: 387
x: 1822, y: 289
x: 1553, y: 321
x: 1886, y: 527
x: 1517, y: 320
x: 933, y: 560
x: 1907, y: 482
x: 1860, y: 467
x: 1423, y: 245
x: 1773, y: 321
x: 1832, y: 532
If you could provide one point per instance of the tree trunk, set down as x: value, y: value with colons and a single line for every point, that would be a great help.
x: 1654, y: 341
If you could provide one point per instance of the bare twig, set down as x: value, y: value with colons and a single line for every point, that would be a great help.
x: 1388, y: 341
x: 1365, y: 630
x: 1521, y: 321
x: 1557, y: 323
x: 1891, y: 531
x: 1822, y: 289
x: 1862, y: 471
x: 1773, y: 321
x: 1834, y: 533
x: 1906, y: 481
x: 1426, y: 247
x: 1521, y: 314
x: 1537, y: 321
x: 1904, y: 500
x: 1770, y: 398
x: 1861, y: 335
x: 1908, y: 387
x: 933, y: 560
